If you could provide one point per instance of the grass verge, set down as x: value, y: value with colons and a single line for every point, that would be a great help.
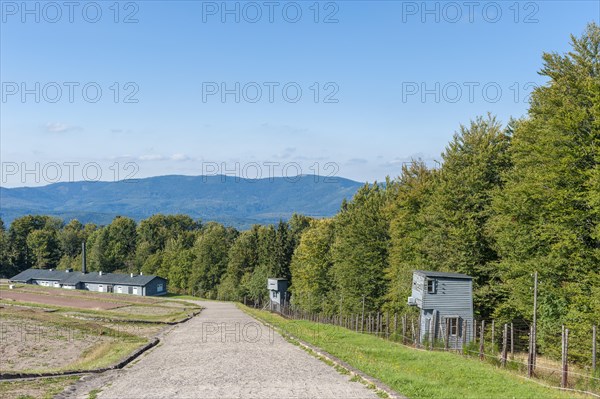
x: 411, y: 372
x: 43, y: 388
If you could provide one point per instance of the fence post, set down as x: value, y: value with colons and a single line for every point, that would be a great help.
x: 447, y: 337
x: 493, y: 340
x: 534, y: 331
x: 504, y: 344
x: 432, y: 330
x: 372, y: 322
x: 418, y: 331
x: 376, y: 326
x: 593, y: 350
x: 464, y: 336
x: 387, y: 325
x: 532, y: 349
x: 404, y: 329
x: 481, y: 340
x: 512, y: 342
x: 362, y: 319
x: 565, y: 352
x: 372, y: 319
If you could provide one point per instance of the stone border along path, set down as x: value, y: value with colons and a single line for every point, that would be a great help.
x: 223, y: 353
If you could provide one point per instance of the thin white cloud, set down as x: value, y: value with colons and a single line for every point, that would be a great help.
x: 285, y: 130
x: 152, y: 157
x: 357, y: 161
x: 118, y: 130
x: 309, y: 158
x: 286, y: 153
x: 60, y: 127
x: 178, y: 157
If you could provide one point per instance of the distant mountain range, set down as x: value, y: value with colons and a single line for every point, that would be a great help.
x: 233, y: 202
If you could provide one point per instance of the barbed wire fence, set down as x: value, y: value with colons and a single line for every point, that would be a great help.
x: 505, y: 345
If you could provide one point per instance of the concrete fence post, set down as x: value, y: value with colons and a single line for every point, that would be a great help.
x: 512, y: 342
x: 447, y: 335
x: 594, y: 350
x: 565, y: 355
x: 493, y: 336
x: 504, y: 344
x: 464, y: 337
x: 481, y: 340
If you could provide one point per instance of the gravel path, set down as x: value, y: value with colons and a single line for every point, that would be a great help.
x: 224, y: 353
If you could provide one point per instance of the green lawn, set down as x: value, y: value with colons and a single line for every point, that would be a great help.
x: 411, y: 372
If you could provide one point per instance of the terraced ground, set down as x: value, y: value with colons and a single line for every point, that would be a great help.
x: 45, y: 330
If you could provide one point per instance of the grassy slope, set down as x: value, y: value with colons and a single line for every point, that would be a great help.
x: 411, y: 372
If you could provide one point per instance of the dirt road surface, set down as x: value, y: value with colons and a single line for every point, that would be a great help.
x: 224, y: 353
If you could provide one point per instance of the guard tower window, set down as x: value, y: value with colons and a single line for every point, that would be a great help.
x: 431, y: 286
x: 453, y: 324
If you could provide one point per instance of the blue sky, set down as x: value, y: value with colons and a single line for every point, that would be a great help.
x: 372, y: 62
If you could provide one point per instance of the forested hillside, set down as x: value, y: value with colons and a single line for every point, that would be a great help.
x: 230, y: 200
x: 507, y: 200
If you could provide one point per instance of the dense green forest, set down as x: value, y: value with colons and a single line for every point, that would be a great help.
x: 507, y: 200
